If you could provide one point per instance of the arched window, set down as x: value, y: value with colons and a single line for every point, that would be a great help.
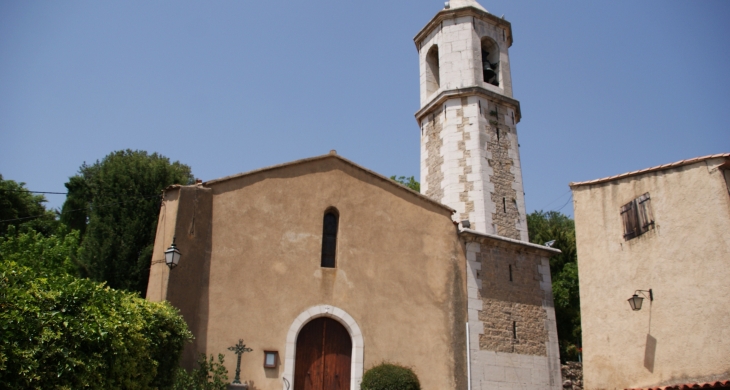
x: 490, y: 61
x: 432, y: 70
x: 329, y: 237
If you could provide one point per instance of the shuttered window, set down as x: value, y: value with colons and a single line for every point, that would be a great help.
x: 329, y: 238
x: 637, y: 217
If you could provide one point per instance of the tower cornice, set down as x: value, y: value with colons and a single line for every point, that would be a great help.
x: 464, y: 92
x: 446, y: 14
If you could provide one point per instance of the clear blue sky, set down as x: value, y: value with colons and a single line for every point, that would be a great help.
x: 227, y: 87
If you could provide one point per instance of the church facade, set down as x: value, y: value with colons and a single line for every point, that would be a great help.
x: 325, y: 268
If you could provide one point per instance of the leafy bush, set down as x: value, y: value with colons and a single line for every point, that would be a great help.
x: 54, y: 254
x: 389, y: 376
x: 60, y: 332
x: 208, y: 376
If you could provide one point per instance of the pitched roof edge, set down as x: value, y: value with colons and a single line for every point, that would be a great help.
x: 651, y: 169
x: 552, y: 251
x: 323, y: 157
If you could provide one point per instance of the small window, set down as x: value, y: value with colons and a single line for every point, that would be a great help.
x: 637, y: 217
x: 329, y: 238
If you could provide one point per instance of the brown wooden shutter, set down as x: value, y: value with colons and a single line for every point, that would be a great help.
x: 628, y: 215
x: 646, y: 219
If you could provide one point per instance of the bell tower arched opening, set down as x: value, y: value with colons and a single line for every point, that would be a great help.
x: 433, y: 78
x: 490, y: 61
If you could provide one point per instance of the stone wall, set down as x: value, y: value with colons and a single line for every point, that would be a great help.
x: 470, y: 162
x: 431, y: 168
x: 458, y: 39
x: 512, y: 313
x: 572, y: 375
x: 467, y: 185
x: 506, y: 216
x: 513, y: 335
x: 469, y: 156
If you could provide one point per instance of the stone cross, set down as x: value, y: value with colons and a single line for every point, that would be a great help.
x: 239, y: 349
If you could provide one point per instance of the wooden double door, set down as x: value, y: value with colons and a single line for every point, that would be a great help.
x: 323, y: 357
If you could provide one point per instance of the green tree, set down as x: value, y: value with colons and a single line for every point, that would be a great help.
x: 60, y: 332
x: 549, y: 226
x: 54, y: 254
x: 409, y: 182
x: 19, y: 207
x: 119, y: 196
x: 75, y: 210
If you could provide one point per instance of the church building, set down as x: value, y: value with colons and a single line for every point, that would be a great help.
x: 325, y: 269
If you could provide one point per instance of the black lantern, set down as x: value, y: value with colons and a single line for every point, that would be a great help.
x: 172, y: 255
x: 635, y: 301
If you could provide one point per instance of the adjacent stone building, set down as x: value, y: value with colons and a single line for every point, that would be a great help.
x: 664, y: 229
x: 334, y: 268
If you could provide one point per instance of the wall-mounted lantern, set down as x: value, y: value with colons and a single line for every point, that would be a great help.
x: 271, y: 359
x: 172, y: 255
x: 635, y: 301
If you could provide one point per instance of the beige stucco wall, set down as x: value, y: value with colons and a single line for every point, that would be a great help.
x: 159, y: 273
x: 683, y: 336
x: 399, y: 275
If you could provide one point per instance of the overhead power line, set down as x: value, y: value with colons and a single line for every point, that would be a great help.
x: 82, y: 209
x: 35, y: 192
x: 566, y: 203
x: 556, y: 199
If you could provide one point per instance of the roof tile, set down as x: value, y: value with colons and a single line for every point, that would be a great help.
x: 652, y: 169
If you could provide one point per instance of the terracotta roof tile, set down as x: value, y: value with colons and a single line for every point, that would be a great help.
x: 652, y: 169
x: 725, y: 384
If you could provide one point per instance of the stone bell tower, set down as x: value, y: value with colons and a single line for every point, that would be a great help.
x: 470, y: 157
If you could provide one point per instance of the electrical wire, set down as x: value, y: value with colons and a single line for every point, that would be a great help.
x: 36, y: 192
x: 566, y: 203
x: 82, y: 209
x: 556, y: 199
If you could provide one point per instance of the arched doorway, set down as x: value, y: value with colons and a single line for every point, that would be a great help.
x: 323, y: 356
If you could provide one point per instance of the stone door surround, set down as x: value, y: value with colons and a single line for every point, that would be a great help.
x: 356, y: 369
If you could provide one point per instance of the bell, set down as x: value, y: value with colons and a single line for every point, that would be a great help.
x: 487, y: 67
x: 489, y: 73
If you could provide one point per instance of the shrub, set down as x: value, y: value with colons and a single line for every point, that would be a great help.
x: 60, y: 332
x: 208, y: 376
x: 53, y: 254
x: 389, y: 376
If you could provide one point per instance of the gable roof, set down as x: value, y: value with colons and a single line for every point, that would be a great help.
x: 652, y: 169
x: 331, y: 155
